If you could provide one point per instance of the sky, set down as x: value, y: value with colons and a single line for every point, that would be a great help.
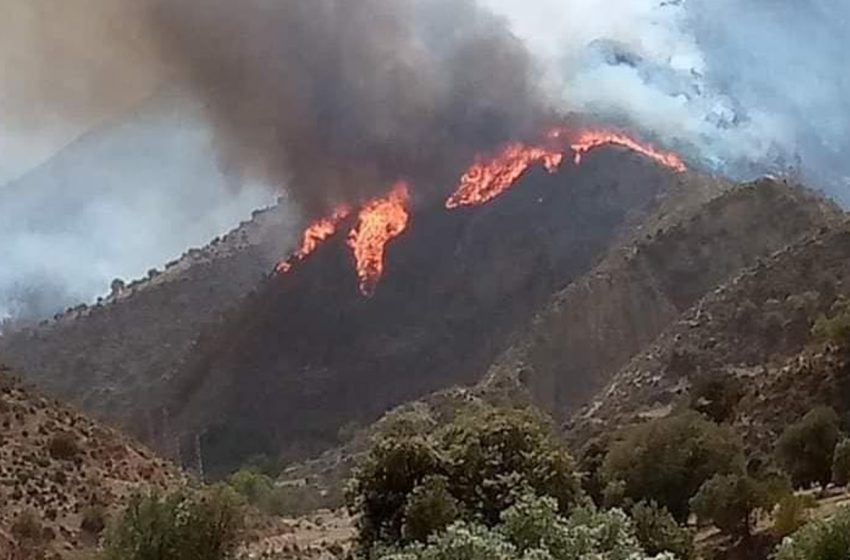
x: 740, y: 87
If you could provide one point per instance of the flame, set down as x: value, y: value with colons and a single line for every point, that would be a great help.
x: 314, y: 235
x: 378, y: 222
x: 591, y: 139
x: 487, y: 179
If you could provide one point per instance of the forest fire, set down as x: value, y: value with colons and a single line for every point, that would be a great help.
x: 590, y: 139
x: 314, y: 235
x: 383, y: 219
x: 379, y: 221
x: 487, y: 179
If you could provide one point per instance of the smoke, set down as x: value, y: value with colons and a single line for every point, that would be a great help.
x: 743, y: 87
x: 335, y: 100
x: 338, y: 99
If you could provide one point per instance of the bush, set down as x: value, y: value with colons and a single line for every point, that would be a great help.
x: 430, y: 508
x: 657, y: 531
x: 180, y: 526
x: 835, y: 327
x: 532, y: 529
x: 63, y: 447
x: 841, y: 464
x: 477, y: 465
x: 93, y: 520
x: 716, y: 396
x: 730, y: 502
x: 30, y: 539
x: 668, y: 460
x: 792, y: 513
x: 806, y: 449
x: 821, y: 540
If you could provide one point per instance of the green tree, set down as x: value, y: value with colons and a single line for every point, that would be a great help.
x: 716, y: 396
x: 180, y: 526
x: 657, y: 531
x: 841, y: 464
x: 820, y: 540
x: 475, y: 468
x: 806, y: 449
x: 668, y: 460
x: 731, y: 502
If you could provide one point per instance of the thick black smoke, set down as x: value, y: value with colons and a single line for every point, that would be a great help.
x: 337, y: 99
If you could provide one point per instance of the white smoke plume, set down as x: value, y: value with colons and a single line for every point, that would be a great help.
x: 743, y: 87
x: 740, y: 87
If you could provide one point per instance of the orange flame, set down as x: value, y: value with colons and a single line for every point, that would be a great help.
x: 314, y: 235
x: 487, y: 179
x: 379, y: 221
x: 591, y: 139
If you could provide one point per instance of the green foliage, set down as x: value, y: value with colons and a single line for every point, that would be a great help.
x: 821, y: 540
x: 260, y: 490
x: 841, y: 464
x: 716, y: 396
x: 474, y: 468
x: 668, y: 460
x: 730, y: 502
x: 657, y: 531
x: 430, y: 508
x: 590, y: 462
x: 533, y: 529
x: 834, y: 328
x: 180, y: 526
x: 251, y: 484
x: 806, y: 448
x: 792, y: 513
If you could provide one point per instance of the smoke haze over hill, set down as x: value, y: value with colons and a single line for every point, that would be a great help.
x: 333, y: 100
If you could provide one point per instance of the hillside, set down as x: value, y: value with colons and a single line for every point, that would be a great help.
x: 576, y: 342
x: 307, y: 355
x: 589, y: 330
x: 756, y: 329
x: 65, y: 470
x: 112, y: 359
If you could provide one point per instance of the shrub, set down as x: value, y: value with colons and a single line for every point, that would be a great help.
x: 180, y: 526
x: 93, y: 520
x: 667, y: 460
x: 63, y: 447
x: 657, y: 531
x: 730, y: 502
x: 792, y: 513
x: 479, y: 463
x: 841, y: 464
x: 430, y: 508
x: 532, y: 529
x: 806, y: 448
x: 835, y: 327
x: 821, y: 540
x: 252, y: 484
x: 716, y: 396
x: 30, y: 539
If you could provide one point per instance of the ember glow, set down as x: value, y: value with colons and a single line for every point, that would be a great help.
x: 378, y: 222
x: 488, y: 178
x: 314, y: 235
x: 591, y: 139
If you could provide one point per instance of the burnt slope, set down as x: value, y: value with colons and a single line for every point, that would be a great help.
x: 111, y: 359
x: 594, y: 326
x: 307, y: 354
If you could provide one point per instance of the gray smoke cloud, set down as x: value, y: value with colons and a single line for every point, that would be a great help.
x: 338, y: 99
x: 742, y: 87
x: 332, y: 100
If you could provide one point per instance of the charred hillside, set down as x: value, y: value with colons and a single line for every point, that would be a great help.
x: 308, y: 354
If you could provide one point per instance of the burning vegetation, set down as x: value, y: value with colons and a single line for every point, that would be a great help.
x: 383, y: 219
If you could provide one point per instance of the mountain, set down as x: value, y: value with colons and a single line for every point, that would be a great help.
x: 755, y: 329
x: 65, y: 471
x: 307, y: 354
x: 112, y: 359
